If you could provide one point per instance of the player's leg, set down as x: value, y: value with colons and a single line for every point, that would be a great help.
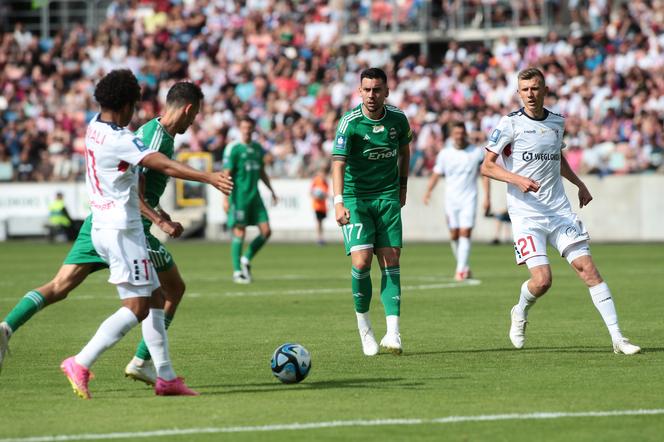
x: 529, y: 249
x: 578, y: 255
x: 466, y: 222
x: 258, y: 216
x: 141, y: 367
x: 237, y: 243
x: 388, y: 250
x: 451, y: 216
x: 359, y: 236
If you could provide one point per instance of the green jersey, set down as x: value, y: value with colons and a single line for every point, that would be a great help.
x: 245, y: 162
x: 155, y: 137
x: 371, y: 148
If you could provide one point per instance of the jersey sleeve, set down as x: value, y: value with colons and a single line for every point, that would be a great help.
x: 406, y: 135
x: 229, y: 157
x: 342, y: 137
x: 502, y: 136
x: 131, y: 149
x: 438, y: 166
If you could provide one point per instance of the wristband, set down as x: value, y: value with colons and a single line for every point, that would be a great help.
x: 338, y: 199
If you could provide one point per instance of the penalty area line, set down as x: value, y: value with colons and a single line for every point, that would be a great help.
x: 340, y: 424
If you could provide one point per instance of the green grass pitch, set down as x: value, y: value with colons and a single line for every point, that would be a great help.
x: 457, y: 360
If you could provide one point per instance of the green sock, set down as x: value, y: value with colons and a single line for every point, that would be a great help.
x: 361, y: 284
x: 31, y: 303
x: 142, y: 351
x: 236, y: 251
x: 255, y: 246
x: 390, y: 290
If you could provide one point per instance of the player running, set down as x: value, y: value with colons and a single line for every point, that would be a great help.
x: 529, y: 141
x: 460, y: 163
x: 370, y: 158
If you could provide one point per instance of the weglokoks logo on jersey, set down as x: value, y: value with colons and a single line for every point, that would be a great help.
x: 529, y: 156
x: 392, y: 133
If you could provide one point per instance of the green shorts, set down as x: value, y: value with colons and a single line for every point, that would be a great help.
x: 82, y: 251
x: 162, y: 260
x: 373, y: 224
x: 250, y: 214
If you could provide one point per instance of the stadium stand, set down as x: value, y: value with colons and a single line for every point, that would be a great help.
x: 293, y: 66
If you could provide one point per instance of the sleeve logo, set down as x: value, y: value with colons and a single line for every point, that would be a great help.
x: 341, y: 142
x: 495, y: 135
x: 139, y: 145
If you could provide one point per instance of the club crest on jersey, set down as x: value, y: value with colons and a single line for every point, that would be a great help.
x: 495, y: 135
x: 392, y: 133
x: 341, y: 142
x: 378, y: 129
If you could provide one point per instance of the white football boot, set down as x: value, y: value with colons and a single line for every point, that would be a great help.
x: 245, y: 265
x: 392, y: 343
x: 4, y: 342
x: 140, y: 370
x: 369, y: 344
x: 623, y: 346
x: 517, y: 329
x: 239, y: 278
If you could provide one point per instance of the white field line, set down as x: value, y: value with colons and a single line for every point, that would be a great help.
x: 435, y: 286
x: 339, y: 424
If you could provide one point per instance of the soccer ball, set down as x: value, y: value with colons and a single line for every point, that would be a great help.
x: 291, y: 363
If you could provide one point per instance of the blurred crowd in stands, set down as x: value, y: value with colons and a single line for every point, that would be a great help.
x: 282, y: 63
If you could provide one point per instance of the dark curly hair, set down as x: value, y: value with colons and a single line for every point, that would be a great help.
x: 117, y: 89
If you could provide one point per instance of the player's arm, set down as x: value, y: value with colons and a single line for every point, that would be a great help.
x: 404, y: 166
x: 566, y: 171
x: 266, y: 179
x: 158, y: 218
x: 163, y: 164
x: 433, y: 180
x: 486, y: 187
x: 491, y: 169
x: 341, y: 213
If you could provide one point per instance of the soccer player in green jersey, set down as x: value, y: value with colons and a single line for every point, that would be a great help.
x: 370, y: 162
x: 182, y: 105
x: 243, y: 160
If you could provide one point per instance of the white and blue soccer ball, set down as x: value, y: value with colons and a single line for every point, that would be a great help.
x: 291, y: 363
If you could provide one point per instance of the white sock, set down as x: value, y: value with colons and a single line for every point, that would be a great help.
x: 392, y: 324
x: 601, y: 296
x: 526, y: 299
x: 154, y: 333
x: 463, y: 253
x: 109, y: 332
x: 244, y: 260
x: 363, y: 321
x: 454, y: 245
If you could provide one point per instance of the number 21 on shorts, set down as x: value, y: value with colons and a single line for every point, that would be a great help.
x: 524, y: 246
x: 348, y: 231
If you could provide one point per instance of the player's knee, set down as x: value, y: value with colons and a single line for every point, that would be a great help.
x: 175, y: 292
x: 267, y: 232
x: 57, y: 291
x: 541, y: 284
x: 141, y: 312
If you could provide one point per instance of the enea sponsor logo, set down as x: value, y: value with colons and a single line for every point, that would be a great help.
x: 380, y: 153
x: 529, y: 156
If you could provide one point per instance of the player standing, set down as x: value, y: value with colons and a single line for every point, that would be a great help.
x: 460, y: 163
x: 243, y: 161
x: 529, y: 141
x: 320, y: 191
x: 370, y: 158
x: 112, y: 154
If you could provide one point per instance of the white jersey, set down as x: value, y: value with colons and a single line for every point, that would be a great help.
x: 111, y: 156
x: 461, y: 168
x: 532, y: 148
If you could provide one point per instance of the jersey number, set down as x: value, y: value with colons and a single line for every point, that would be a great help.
x: 523, y: 243
x: 348, y: 231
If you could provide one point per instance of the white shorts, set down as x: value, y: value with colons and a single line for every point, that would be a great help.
x: 126, y: 253
x: 461, y: 216
x: 532, y: 234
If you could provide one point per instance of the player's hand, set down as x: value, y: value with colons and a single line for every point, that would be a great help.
x: 486, y: 205
x: 426, y: 198
x: 526, y: 184
x: 402, y: 195
x: 275, y: 199
x: 173, y: 229
x: 584, y: 196
x: 221, y: 181
x: 227, y: 205
x: 341, y: 214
